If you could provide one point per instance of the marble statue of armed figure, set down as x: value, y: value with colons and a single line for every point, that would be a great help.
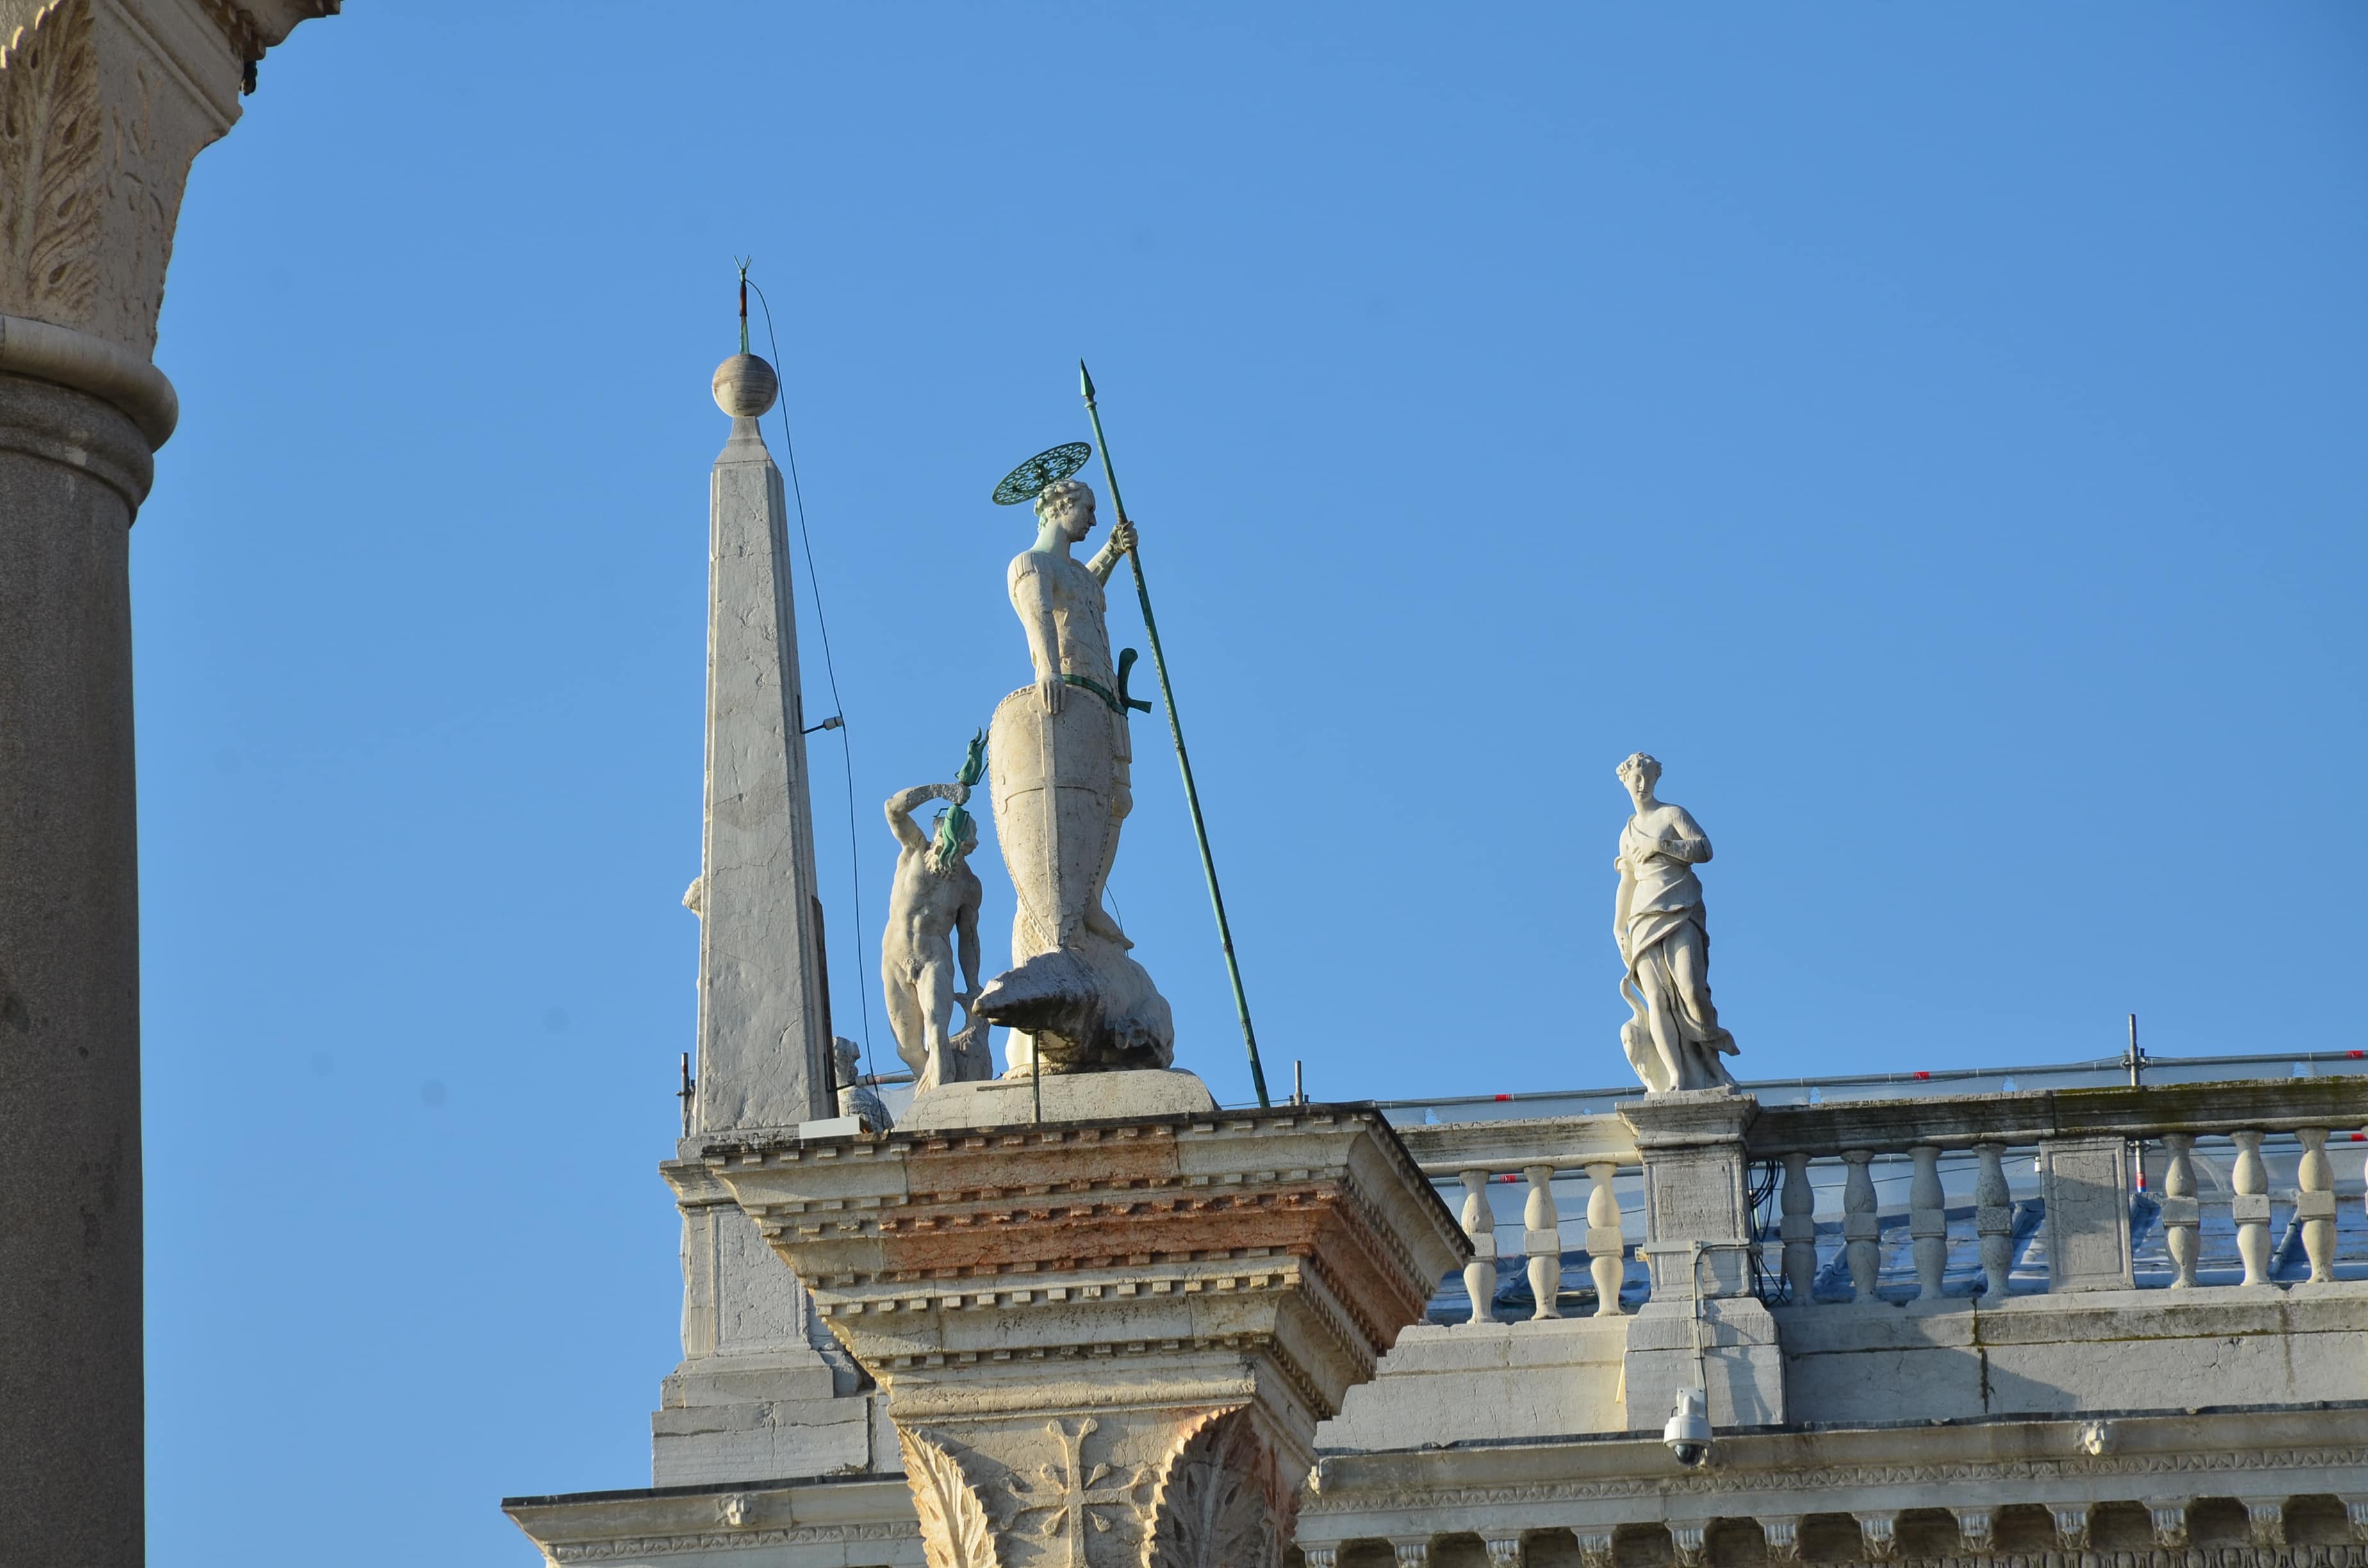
x: 934, y: 902
x: 1058, y: 761
x: 1672, y: 1037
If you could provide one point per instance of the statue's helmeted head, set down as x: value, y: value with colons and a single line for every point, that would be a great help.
x: 1068, y: 502
x: 846, y: 1053
x: 1640, y: 771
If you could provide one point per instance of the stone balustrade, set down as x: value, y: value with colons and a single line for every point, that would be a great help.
x: 1483, y: 1158
x: 2064, y: 1190
x: 2175, y: 1185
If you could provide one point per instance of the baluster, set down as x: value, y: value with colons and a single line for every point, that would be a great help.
x: 1480, y: 1224
x: 1542, y: 1239
x: 2250, y: 1208
x: 2315, y: 1203
x: 1859, y: 1228
x: 2181, y: 1215
x: 1994, y: 1221
x: 1800, y: 1231
x: 1605, y: 1245
x: 1928, y: 1223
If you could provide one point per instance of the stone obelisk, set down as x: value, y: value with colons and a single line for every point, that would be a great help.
x: 754, y: 1397
x: 104, y: 106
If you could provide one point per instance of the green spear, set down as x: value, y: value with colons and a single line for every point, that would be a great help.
x: 1176, y: 732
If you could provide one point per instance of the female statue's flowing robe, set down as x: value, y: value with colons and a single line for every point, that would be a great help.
x: 1673, y: 1039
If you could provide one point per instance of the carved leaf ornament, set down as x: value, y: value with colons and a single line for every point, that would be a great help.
x: 955, y: 1531
x: 1217, y: 1503
x: 52, y: 169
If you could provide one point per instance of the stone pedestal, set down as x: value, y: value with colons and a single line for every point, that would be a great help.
x: 1699, y: 1243
x: 1108, y: 1341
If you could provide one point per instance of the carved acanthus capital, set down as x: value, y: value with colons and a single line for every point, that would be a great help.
x: 1121, y: 1489
x: 103, y: 104
x: 1878, y: 1535
x: 955, y: 1529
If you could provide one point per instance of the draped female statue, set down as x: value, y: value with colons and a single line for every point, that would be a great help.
x: 1673, y: 1039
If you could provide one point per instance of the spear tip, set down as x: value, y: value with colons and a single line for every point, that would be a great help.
x: 1084, y: 382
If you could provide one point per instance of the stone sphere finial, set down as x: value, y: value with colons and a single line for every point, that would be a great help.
x: 746, y: 386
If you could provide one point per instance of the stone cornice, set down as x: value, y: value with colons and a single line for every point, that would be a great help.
x: 1780, y: 1472
x: 729, y: 1540
x: 250, y: 34
x: 1675, y: 1487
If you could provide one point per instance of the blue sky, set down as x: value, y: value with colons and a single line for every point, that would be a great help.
x: 1934, y: 432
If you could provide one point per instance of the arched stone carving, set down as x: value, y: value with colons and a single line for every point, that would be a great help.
x: 1220, y: 1502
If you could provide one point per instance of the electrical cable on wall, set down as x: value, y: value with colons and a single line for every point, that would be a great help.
x: 830, y: 668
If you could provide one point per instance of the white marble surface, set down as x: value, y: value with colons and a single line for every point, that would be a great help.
x: 1673, y: 1038
x: 1058, y: 761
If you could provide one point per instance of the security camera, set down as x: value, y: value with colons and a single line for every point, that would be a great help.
x: 1688, y: 1433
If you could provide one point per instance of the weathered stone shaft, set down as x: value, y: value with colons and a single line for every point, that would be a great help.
x: 72, y: 469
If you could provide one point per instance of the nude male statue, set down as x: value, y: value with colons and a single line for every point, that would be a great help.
x: 1673, y: 1039
x: 935, y: 900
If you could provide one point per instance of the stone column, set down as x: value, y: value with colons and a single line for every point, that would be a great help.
x: 1108, y: 1342
x: 1698, y: 1242
x: 762, y: 1389
x: 103, y: 103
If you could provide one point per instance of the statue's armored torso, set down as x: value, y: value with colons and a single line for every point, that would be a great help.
x: 1073, y: 595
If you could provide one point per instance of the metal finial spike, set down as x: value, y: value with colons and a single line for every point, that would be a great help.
x: 1084, y: 382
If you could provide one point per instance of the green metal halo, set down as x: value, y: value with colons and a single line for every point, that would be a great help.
x: 1024, y: 482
